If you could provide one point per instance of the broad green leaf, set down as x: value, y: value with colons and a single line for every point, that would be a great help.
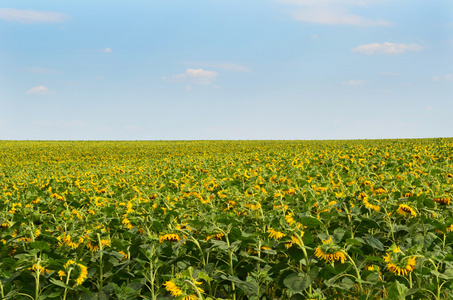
x: 374, y: 242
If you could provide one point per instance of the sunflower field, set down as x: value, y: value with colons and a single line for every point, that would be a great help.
x: 362, y: 219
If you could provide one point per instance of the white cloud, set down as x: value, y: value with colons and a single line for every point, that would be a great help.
x: 105, y: 50
x: 32, y: 16
x: 189, y: 88
x: 354, y: 82
x: 332, y: 12
x: 38, y: 90
x: 446, y: 77
x: 195, y: 76
x: 386, y: 48
x: 225, y: 66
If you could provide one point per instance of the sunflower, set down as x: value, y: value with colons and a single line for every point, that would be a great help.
x: 217, y: 236
x: 275, y: 234
x: 369, y: 205
x: 61, y: 274
x: 450, y: 228
x: 171, y: 237
x: 405, y: 209
x: 442, y: 200
x: 374, y: 268
x: 380, y: 191
x: 289, y: 219
x: 401, y: 268
x: 172, y: 288
x: 71, y: 266
x: 83, y: 274
x: 294, y: 240
x: 124, y: 254
x: 41, y: 269
x: 330, y: 252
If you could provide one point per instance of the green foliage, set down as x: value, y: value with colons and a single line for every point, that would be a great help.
x: 226, y: 220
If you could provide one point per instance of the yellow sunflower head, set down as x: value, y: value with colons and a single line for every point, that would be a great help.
x: 171, y: 237
x: 442, y: 200
x: 330, y: 251
x: 275, y: 234
x: 405, y: 209
x: 398, y: 263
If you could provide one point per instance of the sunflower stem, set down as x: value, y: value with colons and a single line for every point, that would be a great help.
x: 67, y: 283
x: 101, y: 269
x: 302, y: 246
x: 356, y: 270
x: 38, y: 272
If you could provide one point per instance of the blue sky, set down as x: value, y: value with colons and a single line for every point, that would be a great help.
x: 211, y: 69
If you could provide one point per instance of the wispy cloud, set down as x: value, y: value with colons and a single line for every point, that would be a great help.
x: 446, y: 77
x: 223, y: 66
x: 332, y: 12
x: 353, y: 82
x: 38, y: 90
x: 386, y: 48
x: 195, y: 76
x: 30, y: 16
x: 106, y: 50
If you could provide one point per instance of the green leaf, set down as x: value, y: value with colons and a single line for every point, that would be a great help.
x: 297, y: 283
x: 354, y: 242
x: 374, y: 242
x: 397, y: 291
x: 346, y: 283
x: 60, y: 283
x: 338, y: 234
x: 369, y: 223
x: 204, y: 276
x: 447, y: 275
x: 250, y: 288
x: 310, y: 222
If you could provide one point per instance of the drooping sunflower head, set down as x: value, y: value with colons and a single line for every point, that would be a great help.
x: 171, y: 237
x: 184, y: 286
x: 330, y: 251
x: 375, y: 268
x: 398, y: 262
x: 294, y: 240
x: 275, y: 234
x: 289, y: 219
x: 172, y: 288
x: 74, y: 270
x: 405, y: 209
x: 442, y: 200
x: 216, y: 236
x: 369, y: 205
x: 403, y: 266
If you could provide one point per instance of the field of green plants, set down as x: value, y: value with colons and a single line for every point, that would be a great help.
x: 362, y: 219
